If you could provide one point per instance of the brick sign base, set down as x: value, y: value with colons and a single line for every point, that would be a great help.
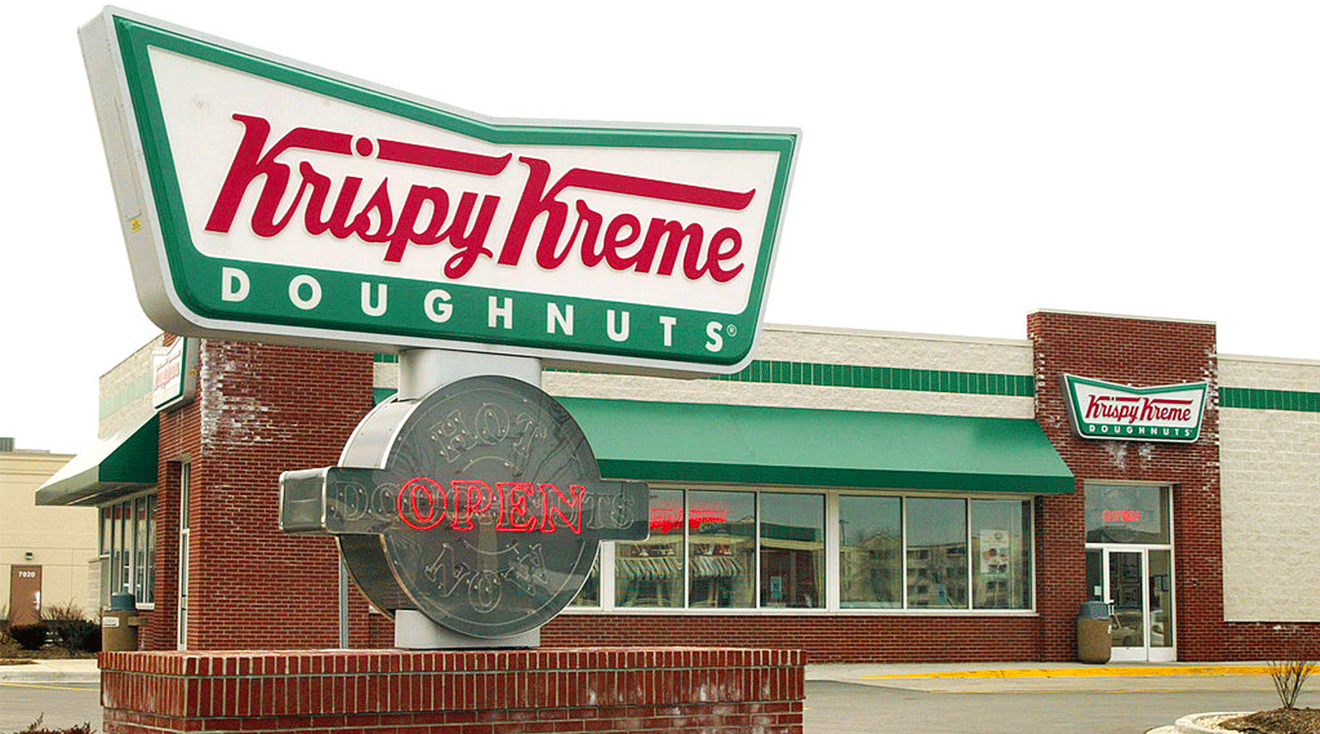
x: 387, y: 691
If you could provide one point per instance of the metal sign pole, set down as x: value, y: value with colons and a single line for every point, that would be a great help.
x: 420, y: 372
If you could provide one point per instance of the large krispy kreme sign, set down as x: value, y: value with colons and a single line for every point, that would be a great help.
x: 262, y: 198
x: 1107, y: 410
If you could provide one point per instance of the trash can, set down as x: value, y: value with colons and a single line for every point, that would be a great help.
x: 1094, y: 642
x: 119, y: 624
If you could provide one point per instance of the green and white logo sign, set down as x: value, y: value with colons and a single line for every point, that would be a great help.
x: 263, y: 199
x: 1108, y: 410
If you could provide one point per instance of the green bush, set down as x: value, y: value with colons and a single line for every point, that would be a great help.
x: 29, y: 636
x: 76, y: 635
x: 70, y: 629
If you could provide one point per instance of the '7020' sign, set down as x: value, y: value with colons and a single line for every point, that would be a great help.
x: 259, y: 198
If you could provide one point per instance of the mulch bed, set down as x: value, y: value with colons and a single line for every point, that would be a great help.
x: 1277, y: 721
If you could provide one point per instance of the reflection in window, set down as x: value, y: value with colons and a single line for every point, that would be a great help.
x: 870, y: 552
x: 792, y: 550
x: 937, y: 553
x: 650, y: 573
x: 589, y: 594
x: 1001, y: 554
x: 721, y: 544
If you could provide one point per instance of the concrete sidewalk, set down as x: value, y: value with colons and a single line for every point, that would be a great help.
x: 52, y: 671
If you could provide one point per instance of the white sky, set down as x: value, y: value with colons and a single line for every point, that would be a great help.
x: 963, y: 163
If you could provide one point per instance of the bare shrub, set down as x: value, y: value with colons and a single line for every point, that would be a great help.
x: 1289, y: 676
x: 37, y: 727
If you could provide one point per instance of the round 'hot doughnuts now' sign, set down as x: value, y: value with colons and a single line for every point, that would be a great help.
x: 484, y: 512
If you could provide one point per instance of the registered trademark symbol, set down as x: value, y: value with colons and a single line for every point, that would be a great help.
x: 731, y: 330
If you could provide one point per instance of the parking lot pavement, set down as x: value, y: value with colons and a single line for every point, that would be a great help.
x: 1030, y: 698
x: 1010, y: 698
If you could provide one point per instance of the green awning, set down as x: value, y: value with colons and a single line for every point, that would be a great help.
x: 685, y: 442
x: 112, y: 467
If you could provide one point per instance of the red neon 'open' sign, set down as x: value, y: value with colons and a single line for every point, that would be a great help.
x: 523, y: 507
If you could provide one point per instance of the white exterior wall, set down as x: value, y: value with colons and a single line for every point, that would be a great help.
x: 1270, y: 496
x: 125, y: 391
x: 834, y: 346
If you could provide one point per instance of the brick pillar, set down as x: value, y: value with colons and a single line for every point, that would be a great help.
x: 1139, y: 352
x: 260, y: 410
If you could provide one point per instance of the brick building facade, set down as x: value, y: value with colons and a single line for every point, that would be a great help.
x: 932, y: 488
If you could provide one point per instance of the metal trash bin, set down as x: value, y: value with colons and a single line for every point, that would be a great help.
x: 119, y: 624
x: 1094, y: 641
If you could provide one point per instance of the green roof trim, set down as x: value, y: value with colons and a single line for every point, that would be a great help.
x: 741, y: 444
x: 113, y: 467
x: 1258, y: 399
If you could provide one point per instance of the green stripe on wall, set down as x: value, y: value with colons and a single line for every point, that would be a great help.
x: 860, y: 376
x: 1256, y: 399
x: 883, y: 378
x: 125, y: 395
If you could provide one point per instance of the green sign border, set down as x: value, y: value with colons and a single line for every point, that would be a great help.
x: 195, y: 278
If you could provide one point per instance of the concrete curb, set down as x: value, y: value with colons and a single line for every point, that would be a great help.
x: 51, y: 671
x: 1205, y: 723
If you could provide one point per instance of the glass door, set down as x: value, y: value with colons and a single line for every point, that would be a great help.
x: 1127, y: 623
x: 1129, y: 562
x: 1138, y: 586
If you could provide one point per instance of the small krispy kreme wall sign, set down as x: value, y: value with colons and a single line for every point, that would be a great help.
x: 262, y: 198
x: 1107, y: 410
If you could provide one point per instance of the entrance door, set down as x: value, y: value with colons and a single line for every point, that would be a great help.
x: 1138, y: 586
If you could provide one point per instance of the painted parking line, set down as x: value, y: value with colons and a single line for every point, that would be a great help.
x: 88, y: 687
x: 1105, y: 672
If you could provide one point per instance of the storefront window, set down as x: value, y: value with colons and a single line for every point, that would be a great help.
x: 650, y: 573
x: 792, y: 550
x: 1120, y: 513
x: 721, y: 549
x: 1001, y: 554
x: 759, y: 549
x: 128, y: 548
x: 870, y: 552
x: 936, y: 553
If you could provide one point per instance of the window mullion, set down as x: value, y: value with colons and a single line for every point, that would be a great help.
x: 833, y: 545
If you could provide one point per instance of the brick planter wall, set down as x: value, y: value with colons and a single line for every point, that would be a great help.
x: 546, y: 690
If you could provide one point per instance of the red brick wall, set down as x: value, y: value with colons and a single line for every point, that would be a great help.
x: 825, y: 638
x: 1143, y: 353
x: 260, y: 410
x: 643, y: 689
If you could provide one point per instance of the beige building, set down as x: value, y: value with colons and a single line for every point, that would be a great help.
x: 47, y: 554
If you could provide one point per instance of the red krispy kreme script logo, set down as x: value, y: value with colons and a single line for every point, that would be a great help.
x: 1130, y: 409
x: 293, y: 193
